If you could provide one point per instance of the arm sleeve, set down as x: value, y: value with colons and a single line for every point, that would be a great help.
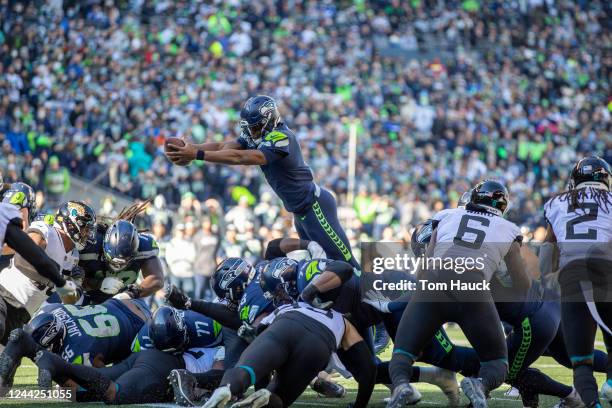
x: 359, y: 361
x: 35, y: 255
x: 218, y: 312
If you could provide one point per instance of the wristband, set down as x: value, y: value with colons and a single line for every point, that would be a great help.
x: 200, y: 155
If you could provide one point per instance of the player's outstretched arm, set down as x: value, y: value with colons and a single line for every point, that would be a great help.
x: 358, y: 359
x: 224, y: 152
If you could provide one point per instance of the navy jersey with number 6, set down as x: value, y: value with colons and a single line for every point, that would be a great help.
x: 286, y: 172
x: 202, y: 331
x: 105, y: 331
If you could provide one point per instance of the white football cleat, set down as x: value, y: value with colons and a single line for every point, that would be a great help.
x: 446, y: 380
x: 606, y: 391
x: 258, y: 399
x: 219, y: 398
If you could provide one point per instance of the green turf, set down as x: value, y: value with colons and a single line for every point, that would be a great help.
x: 432, y: 397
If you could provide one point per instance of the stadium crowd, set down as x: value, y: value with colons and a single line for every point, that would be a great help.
x: 94, y: 88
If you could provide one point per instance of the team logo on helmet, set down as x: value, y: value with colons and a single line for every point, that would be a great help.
x: 266, y: 108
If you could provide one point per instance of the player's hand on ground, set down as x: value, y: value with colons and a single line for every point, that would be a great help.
x: 176, y: 298
x: 377, y: 300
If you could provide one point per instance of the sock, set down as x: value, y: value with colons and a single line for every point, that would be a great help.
x: 428, y: 374
x: 533, y: 381
x: 239, y: 379
x: 400, y: 368
x: 586, y: 385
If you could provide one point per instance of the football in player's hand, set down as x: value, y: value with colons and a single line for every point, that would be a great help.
x: 173, y: 141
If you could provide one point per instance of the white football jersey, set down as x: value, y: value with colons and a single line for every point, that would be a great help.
x: 7, y: 213
x: 21, y: 285
x: 483, y: 239
x: 581, y: 232
x: 201, y: 359
x: 331, y: 319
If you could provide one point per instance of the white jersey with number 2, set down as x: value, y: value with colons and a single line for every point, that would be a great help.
x: 583, y: 232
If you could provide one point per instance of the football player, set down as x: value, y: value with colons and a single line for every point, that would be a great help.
x: 580, y: 231
x: 267, y: 142
x: 22, y: 288
x: 471, y: 232
x: 23, y: 197
x: 297, y: 342
x: 113, y: 262
x: 89, y: 335
x: 140, y: 378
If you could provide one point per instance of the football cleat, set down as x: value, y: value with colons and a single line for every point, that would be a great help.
x: 403, y: 394
x: 328, y: 389
x: 258, y: 399
x: 606, y: 391
x: 573, y: 400
x: 381, y: 339
x: 184, y: 386
x: 219, y: 398
x: 447, y: 382
x: 474, y: 390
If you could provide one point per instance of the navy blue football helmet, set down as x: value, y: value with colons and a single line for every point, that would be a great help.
x: 278, y: 281
x: 490, y: 195
x: 120, y: 244
x: 231, y: 278
x: 421, y: 237
x: 47, y: 330
x: 23, y: 196
x: 168, y: 330
x: 591, y: 171
x: 259, y: 116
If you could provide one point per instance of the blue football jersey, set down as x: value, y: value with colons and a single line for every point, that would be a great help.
x: 104, y: 330
x: 286, y: 172
x: 253, y: 302
x: 202, y: 332
x: 91, y: 260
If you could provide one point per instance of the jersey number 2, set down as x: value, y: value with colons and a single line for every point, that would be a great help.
x: 570, y: 227
x: 464, y: 228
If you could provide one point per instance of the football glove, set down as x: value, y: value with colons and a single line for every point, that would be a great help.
x: 69, y: 289
x: 176, y: 298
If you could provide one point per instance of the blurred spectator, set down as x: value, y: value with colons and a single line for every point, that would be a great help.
x: 57, y: 182
x: 181, y: 256
x: 206, y: 242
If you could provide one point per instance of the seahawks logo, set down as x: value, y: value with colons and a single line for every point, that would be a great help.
x: 267, y: 108
x: 227, y: 279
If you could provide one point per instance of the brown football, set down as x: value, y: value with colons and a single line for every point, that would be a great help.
x: 173, y: 141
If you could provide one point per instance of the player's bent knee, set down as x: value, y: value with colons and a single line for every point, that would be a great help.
x: 493, y: 373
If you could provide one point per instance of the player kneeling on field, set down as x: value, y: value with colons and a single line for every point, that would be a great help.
x: 297, y: 342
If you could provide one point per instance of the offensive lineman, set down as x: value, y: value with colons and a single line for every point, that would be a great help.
x: 267, y: 142
x: 472, y: 232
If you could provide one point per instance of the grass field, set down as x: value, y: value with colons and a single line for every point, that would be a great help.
x: 26, y: 375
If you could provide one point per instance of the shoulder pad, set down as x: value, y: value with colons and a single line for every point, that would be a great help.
x: 147, y: 246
